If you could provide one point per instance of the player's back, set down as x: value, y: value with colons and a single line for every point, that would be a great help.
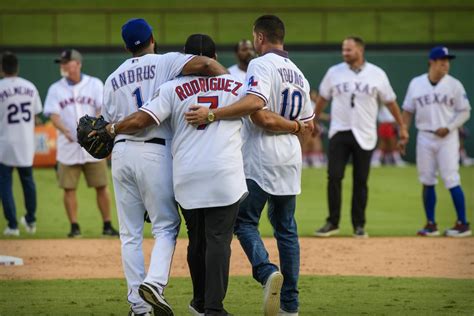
x: 274, y: 159
x: 134, y: 83
x: 19, y: 103
x: 211, y: 141
x: 289, y: 89
x: 206, y: 156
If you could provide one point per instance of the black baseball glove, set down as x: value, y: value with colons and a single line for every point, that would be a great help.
x: 99, y: 145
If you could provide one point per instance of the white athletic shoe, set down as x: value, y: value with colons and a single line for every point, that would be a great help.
x: 193, y: 311
x: 271, y: 294
x: 151, y: 294
x: 285, y: 313
x: 29, y: 227
x: 11, y: 232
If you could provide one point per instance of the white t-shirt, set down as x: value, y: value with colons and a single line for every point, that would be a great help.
x: 435, y: 106
x: 71, y: 102
x: 133, y: 83
x: 238, y: 73
x: 19, y: 103
x: 207, y: 160
x: 355, y: 99
x: 273, y: 160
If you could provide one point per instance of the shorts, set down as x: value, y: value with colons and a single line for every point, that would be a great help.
x: 387, y: 130
x: 95, y: 173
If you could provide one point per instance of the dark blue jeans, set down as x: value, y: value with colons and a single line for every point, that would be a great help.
x: 281, y: 211
x: 6, y: 194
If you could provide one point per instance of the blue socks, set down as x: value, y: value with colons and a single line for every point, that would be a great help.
x: 429, y: 201
x: 458, y: 199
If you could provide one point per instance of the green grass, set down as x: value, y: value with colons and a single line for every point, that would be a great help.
x: 394, y: 206
x: 307, y: 22
x: 318, y: 296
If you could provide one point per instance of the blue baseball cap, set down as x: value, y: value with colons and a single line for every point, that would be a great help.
x: 440, y: 52
x: 136, y: 32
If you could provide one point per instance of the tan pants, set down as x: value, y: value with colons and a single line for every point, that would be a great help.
x: 95, y: 173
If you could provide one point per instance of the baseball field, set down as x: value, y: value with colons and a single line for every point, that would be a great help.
x: 390, y: 273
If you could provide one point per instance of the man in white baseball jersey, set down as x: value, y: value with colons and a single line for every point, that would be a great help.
x: 142, y: 163
x: 244, y: 52
x: 272, y: 161
x: 440, y: 105
x: 68, y: 99
x: 19, y: 103
x: 355, y: 87
x: 208, y: 172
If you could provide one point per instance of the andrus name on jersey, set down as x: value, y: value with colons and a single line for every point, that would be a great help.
x: 435, y: 98
x: 347, y: 87
x: 10, y: 92
x: 134, y: 75
x: 291, y: 76
x: 207, y: 84
x: 77, y: 100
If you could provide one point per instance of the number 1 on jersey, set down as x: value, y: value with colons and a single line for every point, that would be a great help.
x: 138, y: 97
x: 213, y: 103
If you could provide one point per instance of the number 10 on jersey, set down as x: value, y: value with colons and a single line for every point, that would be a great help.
x: 295, y: 100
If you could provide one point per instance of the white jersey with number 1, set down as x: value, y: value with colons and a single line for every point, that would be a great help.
x: 133, y: 84
x: 19, y: 103
x: 274, y: 160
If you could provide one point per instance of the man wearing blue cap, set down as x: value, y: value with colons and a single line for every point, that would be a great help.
x: 142, y: 163
x: 441, y: 106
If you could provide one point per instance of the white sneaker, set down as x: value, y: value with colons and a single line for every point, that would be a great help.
x: 29, y: 227
x: 271, y: 294
x: 285, y: 313
x: 11, y: 232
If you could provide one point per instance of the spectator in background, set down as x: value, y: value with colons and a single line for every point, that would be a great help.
x: 68, y: 99
x: 387, y: 151
x: 312, y: 143
x: 19, y: 103
x: 244, y: 52
x: 355, y: 87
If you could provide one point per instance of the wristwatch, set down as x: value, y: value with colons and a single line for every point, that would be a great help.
x: 112, y: 129
x: 211, y: 116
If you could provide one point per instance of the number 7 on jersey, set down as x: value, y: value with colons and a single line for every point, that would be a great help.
x: 213, y: 102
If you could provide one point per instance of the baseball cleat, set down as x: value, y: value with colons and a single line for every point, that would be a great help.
x: 459, y: 230
x: 151, y: 294
x: 430, y: 230
x: 271, y: 294
x: 132, y: 313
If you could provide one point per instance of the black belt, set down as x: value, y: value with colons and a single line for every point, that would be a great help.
x: 156, y: 140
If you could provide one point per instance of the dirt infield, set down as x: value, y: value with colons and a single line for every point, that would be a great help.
x: 396, y: 257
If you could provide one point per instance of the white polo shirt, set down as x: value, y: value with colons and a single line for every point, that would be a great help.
x: 435, y: 106
x: 273, y: 160
x: 355, y: 100
x: 71, y: 102
x: 19, y: 103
